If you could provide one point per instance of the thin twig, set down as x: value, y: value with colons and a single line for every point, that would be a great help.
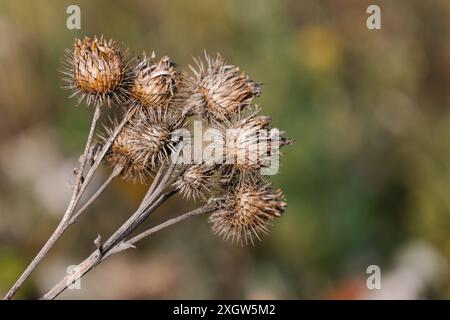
x: 142, y: 217
x: 133, y: 222
x: 84, y: 267
x: 79, y: 189
x: 164, y: 182
x: 127, y: 244
x: 168, y: 223
x: 63, y: 223
x: 152, y: 188
x: 156, y: 179
x: 96, y: 257
x: 99, y: 256
x: 103, y: 152
x: 116, y: 171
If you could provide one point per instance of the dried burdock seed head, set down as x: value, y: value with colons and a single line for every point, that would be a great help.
x: 197, y: 181
x: 247, y: 213
x: 154, y: 82
x: 249, y: 144
x: 123, y: 154
x: 232, y: 178
x: 219, y: 90
x: 144, y: 143
x: 97, y: 70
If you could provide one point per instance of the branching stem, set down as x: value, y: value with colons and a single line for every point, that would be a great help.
x: 105, y: 252
x: 81, y: 183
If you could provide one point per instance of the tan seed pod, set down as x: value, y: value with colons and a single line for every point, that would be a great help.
x: 154, y: 82
x: 248, y: 144
x: 143, y: 144
x: 247, y: 213
x: 97, y: 71
x: 123, y: 154
x: 219, y: 90
x: 197, y: 181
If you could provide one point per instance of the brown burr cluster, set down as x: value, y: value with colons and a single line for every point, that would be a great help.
x: 165, y: 102
x: 248, y: 212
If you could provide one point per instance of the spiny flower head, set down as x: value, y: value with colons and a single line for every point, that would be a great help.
x: 249, y: 143
x: 247, y: 213
x: 220, y: 90
x: 197, y: 180
x: 97, y: 71
x: 154, y: 82
x: 144, y: 143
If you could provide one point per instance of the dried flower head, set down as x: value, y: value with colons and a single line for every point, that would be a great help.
x: 197, y: 180
x: 220, y: 90
x: 154, y: 82
x: 144, y: 143
x: 248, y: 144
x: 247, y: 213
x: 97, y: 71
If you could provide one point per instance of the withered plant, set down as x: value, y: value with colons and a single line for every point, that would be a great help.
x: 157, y: 102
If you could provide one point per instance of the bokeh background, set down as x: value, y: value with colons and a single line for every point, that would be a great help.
x: 367, y: 181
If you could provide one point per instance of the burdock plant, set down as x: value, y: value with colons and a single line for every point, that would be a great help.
x: 150, y: 144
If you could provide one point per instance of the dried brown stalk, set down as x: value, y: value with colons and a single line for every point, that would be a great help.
x: 158, y: 101
x: 118, y: 243
x: 81, y: 184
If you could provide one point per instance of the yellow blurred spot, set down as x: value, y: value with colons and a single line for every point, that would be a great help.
x: 318, y: 49
x: 132, y: 192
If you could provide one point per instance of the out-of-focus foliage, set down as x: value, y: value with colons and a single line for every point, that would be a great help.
x: 367, y: 181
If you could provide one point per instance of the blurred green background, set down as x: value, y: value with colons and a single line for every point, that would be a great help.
x: 367, y: 181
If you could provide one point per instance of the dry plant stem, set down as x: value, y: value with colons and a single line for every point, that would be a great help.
x: 157, y: 188
x: 116, y: 240
x: 103, y: 152
x: 117, y: 170
x: 156, y: 191
x: 156, y: 179
x: 80, y: 270
x: 202, y: 210
x: 80, y: 188
x: 99, y: 256
x: 135, y: 220
x: 152, y: 188
x: 147, y: 206
x: 160, y: 182
x: 63, y: 223
x: 142, y: 217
